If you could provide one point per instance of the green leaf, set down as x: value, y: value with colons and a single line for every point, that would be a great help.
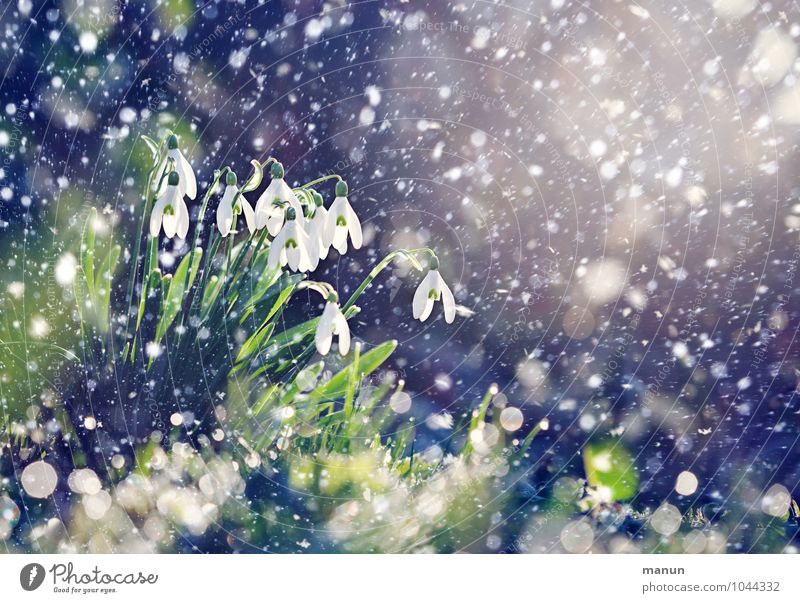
x: 263, y: 283
x: 301, y: 382
x: 353, y: 380
x: 369, y: 361
x: 150, y: 267
x: 151, y: 144
x: 281, y: 300
x: 265, y: 397
x: 252, y: 346
x: 87, y: 253
x: 179, y: 286
x: 210, y: 294
x: 609, y: 466
x: 103, y: 286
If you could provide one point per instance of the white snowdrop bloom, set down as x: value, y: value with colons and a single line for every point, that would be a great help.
x: 332, y: 322
x: 431, y: 289
x: 188, y: 183
x: 343, y: 221
x: 290, y: 246
x: 170, y: 211
x: 273, y: 203
x: 317, y: 228
x: 228, y: 209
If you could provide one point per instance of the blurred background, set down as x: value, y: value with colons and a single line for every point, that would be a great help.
x: 612, y: 188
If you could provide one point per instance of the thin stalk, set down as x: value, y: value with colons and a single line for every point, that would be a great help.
x: 324, y: 289
x: 352, y: 382
x: 148, y: 198
x: 526, y: 443
x: 322, y: 179
x: 479, y: 416
x: 380, y: 266
x: 237, y: 263
x: 199, y: 227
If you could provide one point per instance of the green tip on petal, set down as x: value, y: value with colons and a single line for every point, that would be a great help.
x: 341, y: 188
x: 317, y: 198
x: 230, y: 179
x: 173, y: 179
x: 172, y: 142
x: 291, y: 214
x: 276, y: 170
x: 434, y: 263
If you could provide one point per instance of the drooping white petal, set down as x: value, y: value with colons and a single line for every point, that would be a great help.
x: 270, y: 215
x: 318, y: 229
x: 182, y: 214
x: 339, y: 242
x: 249, y: 214
x: 275, y: 217
x: 170, y: 221
x: 157, y: 215
x: 313, y: 249
x: 277, y: 255
x: 324, y: 334
x: 264, y: 205
x: 167, y: 214
x: 342, y: 329
x: 293, y: 252
x: 426, y: 311
x: 423, y: 303
x: 353, y: 226
x: 225, y: 211
x: 176, y: 165
x: 306, y: 263
x: 330, y: 225
x: 188, y: 181
x: 337, y: 232
x: 448, y: 302
x: 286, y: 194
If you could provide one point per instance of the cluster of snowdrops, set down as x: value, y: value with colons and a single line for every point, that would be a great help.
x: 303, y: 231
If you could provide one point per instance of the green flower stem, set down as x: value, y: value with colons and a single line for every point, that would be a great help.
x: 526, y: 444
x: 213, y: 246
x: 146, y: 207
x: 324, y: 289
x: 211, y: 189
x: 318, y: 180
x: 199, y: 226
x: 237, y: 263
x: 304, y: 196
x: 379, y: 267
x: 352, y: 382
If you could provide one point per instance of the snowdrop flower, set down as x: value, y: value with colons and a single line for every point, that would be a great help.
x: 317, y: 228
x: 188, y: 183
x: 272, y: 205
x: 290, y: 246
x: 170, y: 211
x: 343, y: 221
x: 430, y: 290
x: 227, y: 210
x: 332, y: 322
